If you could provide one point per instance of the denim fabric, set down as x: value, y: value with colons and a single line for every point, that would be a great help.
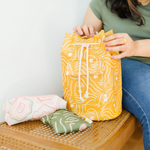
x: 136, y: 94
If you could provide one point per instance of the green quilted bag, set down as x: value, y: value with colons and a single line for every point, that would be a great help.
x: 65, y: 121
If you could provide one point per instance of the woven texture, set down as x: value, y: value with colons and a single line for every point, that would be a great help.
x: 13, y: 143
x: 90, y: 139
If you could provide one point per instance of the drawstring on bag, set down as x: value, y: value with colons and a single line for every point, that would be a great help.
x: 84, y: 45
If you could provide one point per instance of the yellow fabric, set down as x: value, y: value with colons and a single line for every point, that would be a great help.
x: 105, y: 81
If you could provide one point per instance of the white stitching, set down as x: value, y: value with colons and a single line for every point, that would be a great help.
x: 140, y: 107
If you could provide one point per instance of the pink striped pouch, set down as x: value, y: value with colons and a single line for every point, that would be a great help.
x: 27, y: 108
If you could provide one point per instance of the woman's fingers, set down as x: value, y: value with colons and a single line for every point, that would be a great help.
x: 116, y: 42
x: 79, y: 30
x: 92, y: 31
x: 85, y: 30
x: 75, y: 29
x: 120, y: 42
x: 115, y: 36
x: 115, y: 48
x: 119, y: 56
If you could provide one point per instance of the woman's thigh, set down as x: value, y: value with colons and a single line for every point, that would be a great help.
x: 136, y: 93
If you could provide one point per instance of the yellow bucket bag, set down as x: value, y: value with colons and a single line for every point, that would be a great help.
x: 92, y: 82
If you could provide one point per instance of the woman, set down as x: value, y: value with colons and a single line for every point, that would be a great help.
x: 130, y: 21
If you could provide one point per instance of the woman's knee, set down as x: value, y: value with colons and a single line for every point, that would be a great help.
x: 141, y: 112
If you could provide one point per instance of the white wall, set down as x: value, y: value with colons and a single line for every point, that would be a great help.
x: 31, y: 36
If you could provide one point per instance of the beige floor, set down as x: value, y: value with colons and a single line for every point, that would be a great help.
x: 136, y: 141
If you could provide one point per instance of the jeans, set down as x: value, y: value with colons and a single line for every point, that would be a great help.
x: 136, y: 94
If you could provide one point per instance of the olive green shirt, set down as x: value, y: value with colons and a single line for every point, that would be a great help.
x: 120, y: 25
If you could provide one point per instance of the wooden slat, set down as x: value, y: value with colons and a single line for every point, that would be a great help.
x: 121, y: 136
x: 2, y: 123
x: 35, y: 139
x: 136, y: 140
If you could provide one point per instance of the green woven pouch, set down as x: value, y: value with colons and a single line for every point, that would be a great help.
x: 65, y: 121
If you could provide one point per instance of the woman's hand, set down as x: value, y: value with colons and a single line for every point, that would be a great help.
x: 85, y: 30
x: 90, y: 25
x: 120, y: 42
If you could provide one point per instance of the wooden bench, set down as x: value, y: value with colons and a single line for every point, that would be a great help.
x: 34, y: 135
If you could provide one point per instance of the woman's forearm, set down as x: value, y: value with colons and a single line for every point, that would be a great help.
x: 142, y: 48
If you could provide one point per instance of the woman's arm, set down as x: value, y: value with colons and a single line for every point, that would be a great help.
x: 91, y: 24
x: 142, y: 48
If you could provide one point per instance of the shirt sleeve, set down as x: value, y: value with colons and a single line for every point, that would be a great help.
x: 96, y: 7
